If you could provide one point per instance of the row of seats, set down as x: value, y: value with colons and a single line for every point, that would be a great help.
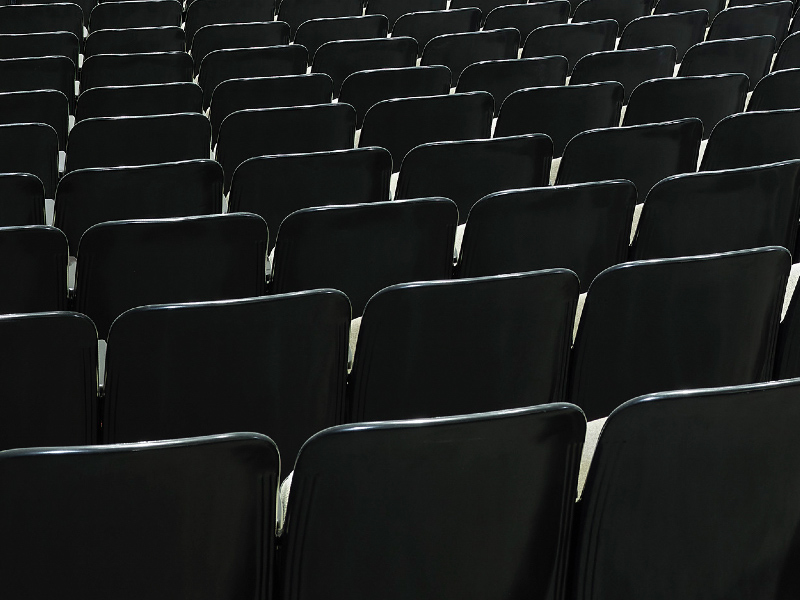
x: 393, y: 509
x: 278, y: 364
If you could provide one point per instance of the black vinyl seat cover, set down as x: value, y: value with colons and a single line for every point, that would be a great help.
x: 571, y: 40
x: 37, y: 106
x: 776, y: 91
x: 719, y: 211
x: 457, y: 51
x: 480, y: 344
x: 261, y: 132
x: 466, y: 171
x: 362, y: 248
x: 370, y: 476
x: 86, y: 197
x: 222, y: 36
x: 60, y: 409
x: 561, y: 112
x: 584, y: 227
x: 124, y: 264
x: 399, y: 125
x: 140, y: 140
x: 658, y: 478
x: 423, y: 26
x: 316, y: 32
x: 135, y: 69
x: 35, y: 265
x: 681, y: 30
x: 527, y: 17
x: 22, y: 199
x: 283, y: 371
x: 753, y: 138
x: 501, y: 78
x: 771, y: 18
x: 267, y: 92
x: 136, y: 13
x: 234, y: 63
x: 140, y: 100
x: 276, y: 186
x: 751, y: 56
x: 115, y: 508
x: 677, y: 323
x: 30, y: 148
x: 710, y: 98
x: 643, y: 154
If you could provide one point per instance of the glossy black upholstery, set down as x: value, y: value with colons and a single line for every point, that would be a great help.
x: 118, y: 141
x: 85, y: 5
x: 682, y: 30
x: 35, y: 268
x: 622, y: 11
x: 276, y: 186
x: 267, y: 92
x: 124, y: 264
x: 316, y: 32
x: 643, y: 154
x: 402, y: 124
x: 371, y: 476
x: 527, y: 17
x: 677, y: 323
x: 751, y: 56
x: 672, y: 6
x: 173, y: 519
x: 362, y: 248
x: 344, y: 57
x: 30, y: 148
x: 571, y: 40
x: 718, y: 211
x: 629, y: 67
x: 54, y: 43
x: 136, y: 13
x: 561, y: 112
x: 60, y: 409
x: 457, y: 51
x: 710, y: 98
x: 467, y: 171
x: 135, y: 69
x: 364, y: 89
x: 236, y: 63
x: 481, y: 344
x: 502, y: 77
x: 263, y: 131
x: 87, y: 197
x: 37, y: 106
x: 39, y: 73
x: 237, y: 35
x: 274, y: 364
x: 135, y: 40
x: 216, y: 12
x: 297, y: 12
x: 33, y: 18
x: 657, y: 497
x: 789, y: 53
x: 140, y: 100
x: 22, y: 199
x: 776, y: 91
x: 757, y: 19
x: 753, y: 138
x: 584, y: 227
x: 423, y: 26
x: 394, y: 9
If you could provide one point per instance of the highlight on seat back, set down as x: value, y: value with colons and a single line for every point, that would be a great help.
x: 432, y: 349
x: 191, y: 518
x: 677, y: 323
x: 273, y: 364
x: 61, y: 407
x: 124, y: 264
x: 363, y: 248
x: 140, y: 100
x: 422, y: 488
x: 658, y: 497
